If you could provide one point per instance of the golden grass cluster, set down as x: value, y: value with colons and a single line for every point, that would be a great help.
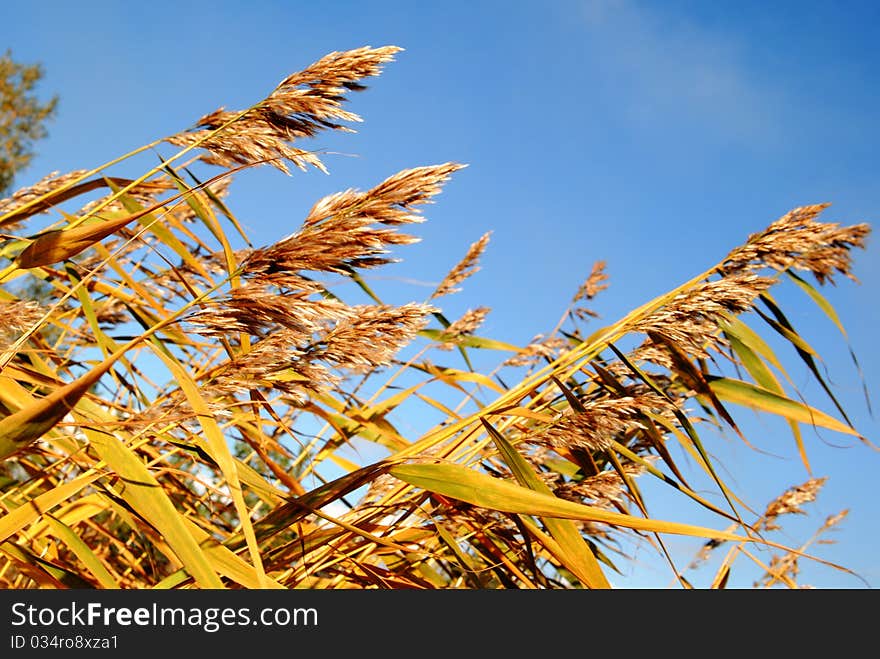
x: 182, y: 409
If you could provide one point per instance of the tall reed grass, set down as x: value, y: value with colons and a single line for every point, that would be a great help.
x: 179, y: 406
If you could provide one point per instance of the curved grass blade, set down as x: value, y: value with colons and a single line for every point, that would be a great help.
x: 140, y: 489
x: 15, y: 520
x: 83, y: 552
x: 219, y: 449
x: 575, y: 553
x: 21, y: 428
x: 783, y: 325
x: 758, y: 398
x: 464, y: 484
x: 829, y: 311
x: 765, y: 378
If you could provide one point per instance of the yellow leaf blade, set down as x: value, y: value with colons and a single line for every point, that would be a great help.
x: 744, y: 393
x: 574, y: 552
x: 473, y: 487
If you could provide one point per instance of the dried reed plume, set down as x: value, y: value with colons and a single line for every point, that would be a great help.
x: 24, y: 196
x: 218, y: 460
x: 600, y: 421
x: 797, y: 240
x: 468, y: 266
x: 300, y: 106
x: 540, y: 347
x: 372, y: 335
x: 790, y: 502
x: 464, y: 326
x: 691, y: 319
x: 338, y: 233
x: 594, y: 284
x: 257, y: 311
x: 19, y: 315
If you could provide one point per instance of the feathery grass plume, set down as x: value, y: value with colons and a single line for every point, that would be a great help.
x: 371, y: 336
x: 468, y: 266
x: 648, y: 352
x: 111, y: 312
x: 257, y: 311
x: 790, y: 501
x: 605, y: 489
x: 540, y: 347
x: 691, y: 319
x: 464, y: 326
x: 787, y: 503
x: 833, y: 520
x: 146, y: 194
x: 594, y: 284
x: 785, y: 568
x: 797, y: 240
x: 781, y: 567
x: 357, y: 339
x: 208, y: 446
x: 339, y: 233
x: 20, y: 198
x: 300, y: 106
x: 17, y: 316
x: 600, y: 421
x: 250, y: 139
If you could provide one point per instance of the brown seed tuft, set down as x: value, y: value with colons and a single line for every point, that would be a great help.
x: 17, y: 317
x: 601, y: 421
x: 371, y: 336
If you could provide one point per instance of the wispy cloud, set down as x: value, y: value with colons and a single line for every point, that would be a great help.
x: 665, y: 67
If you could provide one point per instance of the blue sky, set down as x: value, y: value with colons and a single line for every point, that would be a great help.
x: 653, y: 135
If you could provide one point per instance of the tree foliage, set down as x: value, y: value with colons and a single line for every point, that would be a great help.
x: 23, y: 116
